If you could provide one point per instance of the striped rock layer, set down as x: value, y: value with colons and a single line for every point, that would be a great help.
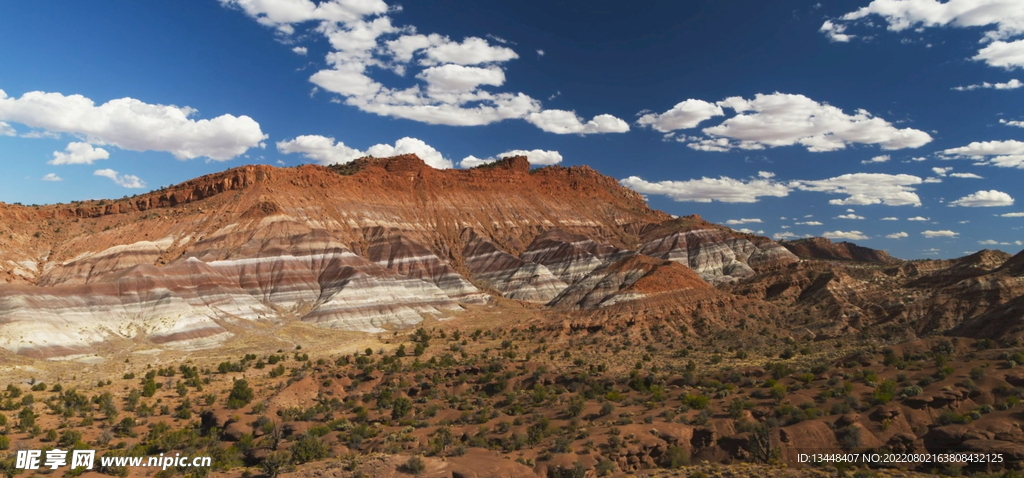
x: 372, y: 244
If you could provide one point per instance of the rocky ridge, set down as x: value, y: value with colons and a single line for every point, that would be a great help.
x: 365, y: 246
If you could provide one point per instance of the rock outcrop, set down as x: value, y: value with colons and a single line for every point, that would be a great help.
x: 386, y: 242
x: 361, y: 246
x: 824, y: 249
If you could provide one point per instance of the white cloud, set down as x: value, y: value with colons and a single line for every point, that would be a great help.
x: 834, y: 31
x: 540, y: 52
x: 889, y: 219
x: 415, y: 146
x: 322, y: 149
x: 849, y: 216
x: 742, y: 221
x: 1004, y: 154
x: 1012, y: 214
x: 79, y: 153
x: 282, y: 13
x: 868, y: 188
x: 932, y: 180
x: 52, y: 177
x: 536, y: 157
x: 966, y: 176
x: 897, y: 235
x: 1019, y: 124
x: 123, y: 180
x: 722, y: 189
x: 990, y: 242
x: 810, y: 223
x: 941, y: 171
x: 566, y: 122
x: 472, y: 51
x: 453, y: 78
x: 685, y: 115
x: 851, y: 235
x: 473, y: 161
x: 301, y: 50
x: 918, y: 218
x: 943, y: 233
x: 1008, y: 55
x: 877, y: 159
x: 783, y: 235
x: 1003, y: 19
x: 984, y: 199
x: 767, y: 175
x: 778, y: 119
x: 7, y: 130
x: 1009, y: 85
x: 457, y: 77
x: 131, y: 124
x: 326, y: 150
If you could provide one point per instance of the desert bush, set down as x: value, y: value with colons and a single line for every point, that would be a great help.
x: 241, y: 394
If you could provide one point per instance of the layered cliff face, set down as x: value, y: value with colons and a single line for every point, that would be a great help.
x: 716, y: 253
x: 381, y: 243
x: 824, y: 249
x: 373, y: 244
x: 974, y: 296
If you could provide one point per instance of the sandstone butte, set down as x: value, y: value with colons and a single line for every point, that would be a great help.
x: 381, y: 243
x: 374, y: 243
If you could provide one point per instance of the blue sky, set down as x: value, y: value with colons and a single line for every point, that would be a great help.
x: 898, y: 124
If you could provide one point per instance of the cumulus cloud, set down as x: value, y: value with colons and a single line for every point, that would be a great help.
x: 1008, y: 55
x: 454, y: 78
x: 536, y: 156
x: 123, y: 180
x: 566, y: 122
x: 917, y: 218
x: 835, y: 31
x: 1019, y: 124
x: 990, y: 198
x: 849, y: 216
x: 743, y: 221
x: 721, y: 189
x: 779, y: 119
x: 301, y: 50
x: 1004, y: 154
x: 897, y: 235
x: 415, y: 146
x: 325, y: 150
x: 889, y: 219
x: 966, y: 176
x: 868, y: 188
x: 1009, y: 85
x: 810, y: 223
x: 941, y: 171
x: 131, y: 124
x: 1002, y: 19
x: 850, y: 235
x: 1012, y: 214
x: 79, y: 153
x: 322, y: 149
x: 685, y: 115
x: 52, y: 177
x: 779, y: 236
x: 7, y: 130
x: 877, y: 159
x: 990, y: 242
x: 457, y: 78
x: 942, y: 233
